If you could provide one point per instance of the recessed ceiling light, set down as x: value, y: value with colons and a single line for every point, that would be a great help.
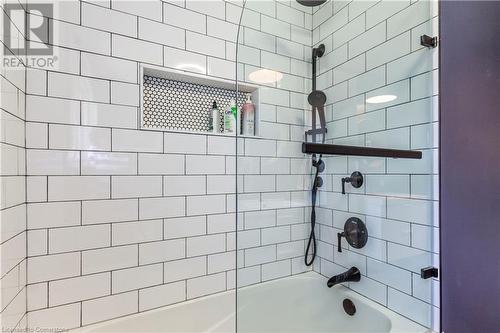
x: 265, y: 76
x: 381, y: 99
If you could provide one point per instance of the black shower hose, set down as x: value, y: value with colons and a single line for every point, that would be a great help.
x: 312, y: 235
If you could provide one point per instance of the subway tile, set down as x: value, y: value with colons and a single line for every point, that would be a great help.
x: 388, y: 51
x: 349, y: 69
x: 399, y: 89
x: 151, y: 208
x: 79, y: 238
x: 184, y: 18
x: 77, y: 87
x: 161, y: 164
x: 214, y: 8
x: 204, y: 245
x: 205, y: 44
x: 149, y: 9
x: 109, y: 115
x: 417, y: 112
x: 367, y: 81
x: 106, y: 67
x: 106, y: 211
x: 367, y: 122
x: 290, y: 250
x: 221, y: 223
x: 105, y: 163
x: 411, y: 16
x: 410, y: 65
x: 53, y: 110
x: 371, y: 289
x: 134, y: 49
x: 369, y: 205
x: 425, y: 85
x: 416, y: 211
x: 390, y: 275
x: 52, y: 162
x: 383, y: 10
x: 212, y: 204
x: 37, y: 296
x: 248, y: 238
x: 184, y: 269
x: 135, y: 186
x: 66, y: 316
x: 124, y: 93
x: 259, y: 40
x: 36, y: 81
x: 425, y: 238
x: 248, y: 275
x: 409, y: 307
x: 275, y: 270
x: 161, y: 33
x: 79, y: 138
x: 425, y: 187
x: 349, y: 31
x: 137, y: 277
x: 184, y: 60
x: 260, y: 255
x: 393, y: 139
x: 202, y: 164
x: 390, y: 230
x: 221, y: 262
x: 155, y: 252
x: 348, y: 259
x: 408, y: 258
x: 388, y: 185
x: 184, y: 227
x: 184, y: 185
x: 36, y: 188
x: 49, y: 215
x: 275, y: 27
x: 428, y: 164
x: 185, y: 143
x: 79, y: 37
x: 206, y: 285
x: 154, y: 297
x: 62, y: 188
x: 108, y: 259
x: 221, y: 184
x: 140, y: 141
x: 425, y: 136
x: 275, y: 235
x: 53, y: 267
x: 101, y: 18
x: 79, y: 288
x: 136, y: 232
x: 367, y: 40
x: 110, y: 307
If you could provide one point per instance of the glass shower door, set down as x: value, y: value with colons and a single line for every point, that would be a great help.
x: 375, y: 217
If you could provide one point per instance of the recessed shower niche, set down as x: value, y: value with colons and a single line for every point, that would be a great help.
x: 177, y: 101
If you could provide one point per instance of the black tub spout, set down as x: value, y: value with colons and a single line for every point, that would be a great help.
x: 352, y: 275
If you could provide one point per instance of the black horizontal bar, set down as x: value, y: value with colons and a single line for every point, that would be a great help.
x: 326, y: 149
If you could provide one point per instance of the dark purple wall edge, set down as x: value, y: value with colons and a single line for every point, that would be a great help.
x: 470, y: 166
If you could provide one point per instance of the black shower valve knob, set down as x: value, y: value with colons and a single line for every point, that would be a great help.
x: 356, y: 180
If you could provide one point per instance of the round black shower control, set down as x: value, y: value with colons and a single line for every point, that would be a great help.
x: 355, y: 233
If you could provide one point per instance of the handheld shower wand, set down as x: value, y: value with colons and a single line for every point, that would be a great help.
x: 317, y: 100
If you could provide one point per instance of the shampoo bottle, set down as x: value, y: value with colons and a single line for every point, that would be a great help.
x: 230, y: 117
x: 248, y: 117
x: 214, y: 119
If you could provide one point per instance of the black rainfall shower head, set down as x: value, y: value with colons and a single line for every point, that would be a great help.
x: 311, y: 3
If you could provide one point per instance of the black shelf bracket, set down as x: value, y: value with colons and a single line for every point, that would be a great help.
x: 327, y: 149
x: 428, y: 41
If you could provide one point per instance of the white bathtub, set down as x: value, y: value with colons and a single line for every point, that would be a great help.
x: 302, y: 303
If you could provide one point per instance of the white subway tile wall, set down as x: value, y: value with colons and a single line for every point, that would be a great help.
x: 372, y: 49
x: 117, y: 220
x: 121, y: 219
x: 14, y: 135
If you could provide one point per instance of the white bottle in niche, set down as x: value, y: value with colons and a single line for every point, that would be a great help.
x: 230, y: 117
x: 214, y: 119
x: 248, y: 117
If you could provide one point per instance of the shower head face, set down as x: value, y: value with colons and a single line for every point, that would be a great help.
x: 317, y: 98
x: 319, y: 51
x: 311, y: 3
